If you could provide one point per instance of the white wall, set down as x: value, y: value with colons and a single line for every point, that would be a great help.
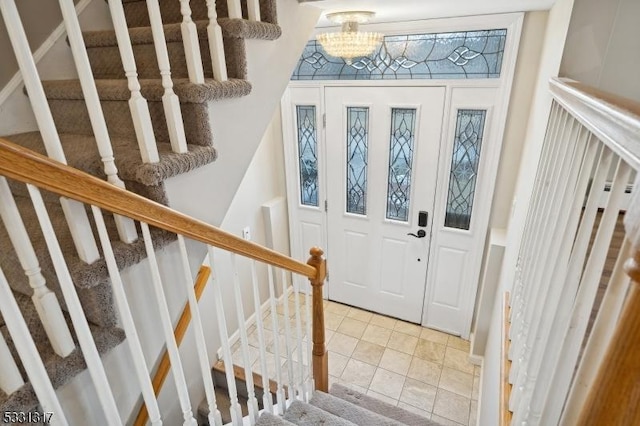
x: 553, y: 45
x: 603, y: 46
x: 524, y: 79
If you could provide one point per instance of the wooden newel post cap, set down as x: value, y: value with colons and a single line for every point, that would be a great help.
x: 317, y: 261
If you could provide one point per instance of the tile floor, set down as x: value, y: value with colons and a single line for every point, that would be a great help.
x: 404, y: 364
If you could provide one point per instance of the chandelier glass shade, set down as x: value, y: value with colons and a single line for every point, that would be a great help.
x: 349, y: 43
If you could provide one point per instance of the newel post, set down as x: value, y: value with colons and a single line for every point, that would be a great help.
x: 614, y: 397
x: 320, y: 357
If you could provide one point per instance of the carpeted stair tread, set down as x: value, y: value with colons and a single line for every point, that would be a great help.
x: 267, y: 419
x: 224, y: 406
x: 303, y: 414
x: 92, y: 281
x: 346, y: 410
x: 60, y: 370
x: 382, y: 408
x: 137, y: 15
x: 151, y: 89
x: 237, y: 28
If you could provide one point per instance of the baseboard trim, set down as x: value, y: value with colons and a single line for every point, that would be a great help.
x: 46, y: 45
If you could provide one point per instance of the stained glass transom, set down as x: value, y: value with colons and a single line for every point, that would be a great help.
x: 357, y: 151
x: 464, y: 167
x: 307, y: 154
x: 400, y: 162
x: 469, y: 54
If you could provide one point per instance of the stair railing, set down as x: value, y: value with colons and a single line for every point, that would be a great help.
x: 561, y: 371
x: 75, y: 215
x: 38, y: 171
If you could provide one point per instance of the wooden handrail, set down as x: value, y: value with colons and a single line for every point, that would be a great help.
x: 30, y: 167
x: 181, y: 329
x: 614, y: 396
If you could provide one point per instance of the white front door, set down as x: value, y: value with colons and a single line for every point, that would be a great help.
x: 382, y: 149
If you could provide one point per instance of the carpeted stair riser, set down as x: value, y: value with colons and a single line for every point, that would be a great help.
x: 91, y: 281
x: 144, y: 179
x: 60, y: 370
x: 138, y: 15
x: 105, y: 60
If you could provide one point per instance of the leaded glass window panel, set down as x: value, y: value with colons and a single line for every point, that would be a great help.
x: 464, y: 167
x: 401, y: 144
x: 308, y: 154
x: 455, y: 55
x: 357, y: 151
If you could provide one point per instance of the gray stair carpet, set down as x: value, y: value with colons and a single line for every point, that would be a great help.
x: 70, y: 114
x: 374, y: 405
x: 349, y: 411
x: 303, y: 414
x: 60, y: 370
x: 267, y: 419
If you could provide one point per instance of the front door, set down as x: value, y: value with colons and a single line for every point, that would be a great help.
x: 382, y: 149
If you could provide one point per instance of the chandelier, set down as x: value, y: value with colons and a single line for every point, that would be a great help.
x: 350, y: 43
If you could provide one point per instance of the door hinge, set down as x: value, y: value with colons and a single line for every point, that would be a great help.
x: 324, y: 121
x: 326, y: 206
x: 327, y: 277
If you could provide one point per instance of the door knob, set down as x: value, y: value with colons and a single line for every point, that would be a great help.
x: 421, y: 233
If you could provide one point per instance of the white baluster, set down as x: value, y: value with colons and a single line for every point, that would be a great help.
x: 252, y: 404
x: 307, y: 299
x: 253, y: 9
x: 167, y: 328
x: 288, y: 337
x: 28, y: 353
x: 517, y: 301
x: 191, y: 44
x: 74, y: 212
x: 235, y: 9
x: 267, y: 402
x: 299, y: 346
x: 137, y: 103
x: 10, y: 379
x: 236, y: 410
x: 544, y: 259
x: 588, y: 288
x: 546, y: 301
x: 126, y: 228
x: 559, y: 284
x: 44, y: 300
x: 216, y: 45
x: 276, y: 341
x: 215, y: 418
x: 170, y: 101
x: 80, y: 324
x: 600, y: 337
x: 133, y: 340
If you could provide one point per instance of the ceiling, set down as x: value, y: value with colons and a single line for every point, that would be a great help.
x: 411, y: 10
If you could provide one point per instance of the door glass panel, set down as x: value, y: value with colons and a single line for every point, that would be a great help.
x: 400, y: 161
x: 357, y: 151
x: 464, y: 167
x: 308, y: 154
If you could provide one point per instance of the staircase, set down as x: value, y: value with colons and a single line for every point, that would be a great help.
x: 134, y: 143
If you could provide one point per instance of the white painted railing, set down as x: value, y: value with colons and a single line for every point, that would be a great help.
x: 592, y: 142
x: 286, y: 311
x: 75, y: 215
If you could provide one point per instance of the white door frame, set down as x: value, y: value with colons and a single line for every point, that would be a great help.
x: 489, y: 159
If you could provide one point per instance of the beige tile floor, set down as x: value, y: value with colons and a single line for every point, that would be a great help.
x: 404, y: 364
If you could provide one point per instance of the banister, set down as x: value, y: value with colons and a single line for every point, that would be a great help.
x: 612, y: 119
x: 30, y: 167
